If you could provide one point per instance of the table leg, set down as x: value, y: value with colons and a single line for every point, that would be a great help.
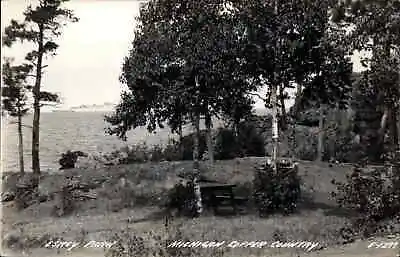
x: 214, y: 202
x: 233, y: 201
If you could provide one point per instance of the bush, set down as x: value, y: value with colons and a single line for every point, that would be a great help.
x: 226, y: 145
x: 69, y: 158
x: 156, y: 153
x: 251, y: 141
x: 374, y: 196
x: 136, y: 154
x: 248, y: 142
x: 187, y: 144
x: 276, y: 192
x: 306, y: 144
x: 181, y: 197
x: 172, y: 151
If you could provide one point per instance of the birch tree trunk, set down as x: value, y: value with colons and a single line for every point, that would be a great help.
x: 275, y: 132
x: 20, y: 146
x: 283, y: 109
x: 196, y: 164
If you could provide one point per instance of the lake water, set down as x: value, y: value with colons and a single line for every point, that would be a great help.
x: 62, y: 131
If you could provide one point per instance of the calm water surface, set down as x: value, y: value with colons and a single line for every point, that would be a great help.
x: 62, y: 131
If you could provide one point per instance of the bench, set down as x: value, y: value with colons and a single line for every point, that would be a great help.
x: 216, y: 195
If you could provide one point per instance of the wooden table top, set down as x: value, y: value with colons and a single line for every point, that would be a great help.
x: 215, y: 185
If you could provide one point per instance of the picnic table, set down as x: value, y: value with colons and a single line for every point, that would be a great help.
x: 216, y: 194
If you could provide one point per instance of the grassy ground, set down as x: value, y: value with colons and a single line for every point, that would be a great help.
x: 138, y: 212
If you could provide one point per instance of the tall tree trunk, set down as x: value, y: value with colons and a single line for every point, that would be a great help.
x: 196, y: 164
x: 36, y: 112
x: 20, y: 146
x: 274, y: 89
x: 36, y: 107
x: 398, y: 100
x: 321, y: 133
x: 297, y: 100
x: 210, y: 145
x: 275, y: 133
x: 283, y: 117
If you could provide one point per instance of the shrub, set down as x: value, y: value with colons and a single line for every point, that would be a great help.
x: 172, y: 151
x: 303, y: 142
x: 276, y: 191
x: 135, y: 154
x: 187, y: 145
x: 251, y: 141
x: 374, y: 196
x: 226, y: 145
x: 248, y: 142
x: 181, y: 197
x: 26, y: 193
x: 69, y: 158
x: 156, y: 153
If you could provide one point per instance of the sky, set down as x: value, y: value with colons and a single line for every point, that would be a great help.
x: 89, y: 60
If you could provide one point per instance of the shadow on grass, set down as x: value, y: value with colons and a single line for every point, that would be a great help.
x: 227, y: 213
x: 329, y: 209
x: 307, y: 203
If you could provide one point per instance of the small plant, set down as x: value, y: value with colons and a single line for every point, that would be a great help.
x: 276, y: 191
x: 128, y: 245
x: 26, y: 193
x: 64, y: 202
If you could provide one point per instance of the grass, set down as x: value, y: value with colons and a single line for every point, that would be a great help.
x: 116, y: 210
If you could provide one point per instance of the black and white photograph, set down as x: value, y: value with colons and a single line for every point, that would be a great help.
x: 200, y: 128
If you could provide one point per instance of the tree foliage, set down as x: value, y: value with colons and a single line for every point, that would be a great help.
x: 177, y: 44
x: 376, y: 28
x: 15, y: 88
